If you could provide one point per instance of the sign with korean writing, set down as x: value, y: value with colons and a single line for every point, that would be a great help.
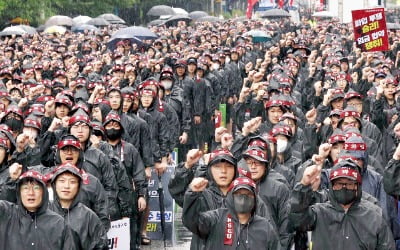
x: 153, y: 227
x: 370, y: 33
x: 119, y: 235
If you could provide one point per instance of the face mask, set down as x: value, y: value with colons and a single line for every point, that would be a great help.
x: 281, y: 145
x: 227, y: 59
x: 113, y: 134
x: 215, y: 66
x: 14, y: 124
x: 167, y: 84
x: 243, y: 203
x: 345, y: 196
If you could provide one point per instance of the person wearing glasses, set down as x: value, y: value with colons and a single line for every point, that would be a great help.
x: 345, y: 221
x: 29, y: 224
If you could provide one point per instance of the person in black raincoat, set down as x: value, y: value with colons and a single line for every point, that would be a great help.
x: 345, y: 212
x: 29, y: 224
x: 95, y: 161
x: 132, y: 163
x: 66, y: 183
x: 237, y: 226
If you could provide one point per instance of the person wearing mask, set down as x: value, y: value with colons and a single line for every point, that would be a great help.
x: 236, y: 226
x: 345, y: 212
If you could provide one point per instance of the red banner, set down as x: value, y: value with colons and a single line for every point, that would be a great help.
x: 370, y: 33
x: 250, y: 5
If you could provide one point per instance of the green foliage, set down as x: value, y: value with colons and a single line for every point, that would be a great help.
x: 37, y: 11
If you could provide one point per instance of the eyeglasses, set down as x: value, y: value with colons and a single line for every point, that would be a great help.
x: 340, y: 185
x: 255, y: 163
x: 355, y: 104
x: 28, y: 187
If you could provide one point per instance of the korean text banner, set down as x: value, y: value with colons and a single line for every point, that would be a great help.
x: 370, y: 33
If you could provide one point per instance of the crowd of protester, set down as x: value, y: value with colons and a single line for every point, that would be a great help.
x: 311, y: 140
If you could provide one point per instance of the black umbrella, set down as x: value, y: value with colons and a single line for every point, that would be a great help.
x: 83, y: 27
x: 162, y: 208
x: 112, y: 44
x: 139, y: 32
x: 275, y: 13
x: 98, y: 21
x: 111, y: 18
x: 197, y: 14
x: 174, y: 19
x: 208, y: 19
x: 156, y: 22
x: 161, y: 10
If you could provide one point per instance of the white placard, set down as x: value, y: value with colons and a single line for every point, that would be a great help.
x: 119, y: 235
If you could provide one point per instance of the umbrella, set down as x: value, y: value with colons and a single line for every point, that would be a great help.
x: 13, y: 30
x: 324, y: 14
x: 81, y: 19
x: 59, y: 20
x: 139, y: 32
x: 28, y: 29
x: 160, y: 191
x: 83, y: 27
x: 197, y: 14
x: 174, y: 19
x: 393, y: 26
x: 180, y: 11
x: 160, y: 10
x: 258, y: 36
x: 275, y: 13
x: 111, y: 18
x: 156, y: 22
x: 112, y: 44
x: 55, y: 29
x: 208, y: 19
x: 98, y: 21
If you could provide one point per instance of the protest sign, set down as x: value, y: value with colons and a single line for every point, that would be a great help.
x: 370, y: 33
x: 119, y: 235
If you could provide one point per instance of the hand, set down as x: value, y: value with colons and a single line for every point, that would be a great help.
x: 23, y: 102
x: 318, y: 160
x: 311, y: 175
x: 354, y: 77
x: 141, y: 204
x: 327, y: 97
x: 226, y: 141
x: 318, y: 88
x: 147, y: 172
x: 15, y: 170
x: 22, y: 141
x: 248, y: 66
x: 379, y: 90
x: 192, y: 157
x: 327, y: 121
x: 65, y: 121
x: 243, y: 94
x: 251, y: 126
x: 324, y: 150
x: 206, y: 158
x: 197, y: 119
x: 198, y: 184
x: 95, y: 141
x: 183, y: 138
x: 219, y: 132
x: 230, y: 100
x: 311, y: 116
x: 49, y: 108
x: 396, y: 154
x: 55, y: 124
